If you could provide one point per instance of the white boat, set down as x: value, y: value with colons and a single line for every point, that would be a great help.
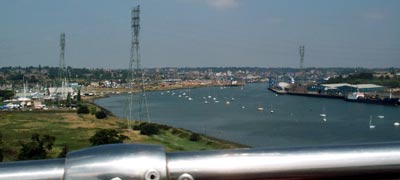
x: 260, y: 109
x: 232, y: 99
x: 243, y: 107
x: 209, y: 97
x: 322, y: 115
x: 324, y: 119
x: 205, y: 102
x: 371, y: 126
x: 381, y: 117
x: 227, y: 102
x: 179, y: 95
x: 190, y: 99
x: 355, y: 96
x: 216, y: 101
x: 396, y: 124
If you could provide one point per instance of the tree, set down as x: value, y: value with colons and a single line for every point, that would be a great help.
x: 100, y: 115
x: 1, y: 148
x: 37, y: 148
x: 194, y: 137
x: 78, y: 97
x: 107, y: 136
x: 148, y: 129
x: 68, y: 103
x: 6, y: 94
x: 64, y: 152
x: 83, y: 109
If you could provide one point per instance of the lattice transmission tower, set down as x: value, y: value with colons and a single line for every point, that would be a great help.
x: 138, y: 101
x: 61, y: 83
x: 301, y: 51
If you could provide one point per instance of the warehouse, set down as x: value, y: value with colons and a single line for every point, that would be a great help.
x: 345, y: 88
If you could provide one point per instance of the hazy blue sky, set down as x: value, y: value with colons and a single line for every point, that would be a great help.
x: 202, y: 33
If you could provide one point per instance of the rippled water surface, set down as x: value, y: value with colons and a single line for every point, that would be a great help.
x: 295, y: 120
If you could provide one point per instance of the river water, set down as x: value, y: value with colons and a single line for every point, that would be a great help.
x: 295, y: 120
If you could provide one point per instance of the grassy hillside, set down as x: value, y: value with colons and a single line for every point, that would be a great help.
x: 75, y: 130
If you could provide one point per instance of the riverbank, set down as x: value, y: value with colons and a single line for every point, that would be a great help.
x: 74, y: 130
x: 91, y: 93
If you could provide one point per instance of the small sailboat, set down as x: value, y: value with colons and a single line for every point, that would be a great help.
x: 190, y: 99
x: 371, y: 126
x: 271, y: 110
x: 227, y: 102
x: 323, y: 114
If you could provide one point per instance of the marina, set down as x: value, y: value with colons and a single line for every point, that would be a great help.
x: 295, y: 121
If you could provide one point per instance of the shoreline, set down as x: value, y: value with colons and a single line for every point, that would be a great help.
x: 204, y: 136
x: 104, y: 92
x: 75, y: 130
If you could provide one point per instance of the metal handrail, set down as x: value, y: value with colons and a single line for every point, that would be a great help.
x: 150, y: 162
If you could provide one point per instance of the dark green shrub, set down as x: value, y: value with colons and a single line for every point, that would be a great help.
x: 194, y: 137
x: 64, y: 152
x: 175, y: 131
x: 37, y: 148
x: 136, y: 127
x: 107, y: 136
x: 149, y: 129
x: 100, y: 115
x: 83, y: 109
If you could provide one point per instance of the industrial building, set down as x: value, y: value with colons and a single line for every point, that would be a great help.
x: 345, y: 88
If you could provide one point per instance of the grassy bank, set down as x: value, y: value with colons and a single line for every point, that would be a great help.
x: 75, y: 130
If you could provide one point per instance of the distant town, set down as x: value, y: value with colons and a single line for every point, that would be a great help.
x: 43, y: 83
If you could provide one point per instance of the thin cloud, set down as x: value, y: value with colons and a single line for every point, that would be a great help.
x: 222, y: 4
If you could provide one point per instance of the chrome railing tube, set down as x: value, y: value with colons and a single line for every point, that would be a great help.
x: 361, y: 161
x: 33, y: 170
x: 149, y: 162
